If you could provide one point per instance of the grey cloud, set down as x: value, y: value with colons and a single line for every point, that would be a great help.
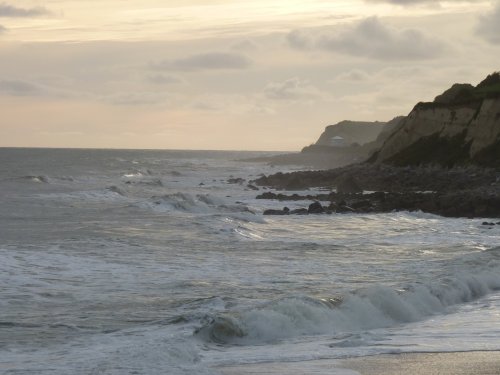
x: 19, y: 88
x: 245, y: 45
x: 162, y: 79
x: 206, y: 61
x: 291, y: 89
x: 489, y: 26
x: 7, y: 10
x: 354, y: 75
x: 136, y: 99
x: 370, y: 38
x: 14, y: 87
x: 300, y: 39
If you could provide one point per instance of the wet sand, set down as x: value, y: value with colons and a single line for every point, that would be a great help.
x: 456, y: 363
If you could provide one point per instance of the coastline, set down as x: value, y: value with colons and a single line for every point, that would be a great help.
x: 468, y: 191
x: 439, y: 363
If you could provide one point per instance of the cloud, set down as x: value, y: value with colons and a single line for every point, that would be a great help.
x: 300, y: 39
x: 354, y: 75
x: 162, y: 79
x: 136, y: 99
x: 433, y: 3
x: 206, y: 61
x: 291, y: 89
x: 15, y: 87
x: 489, y: 26
x: 405, y: 2
x: 2, y: 29
x: 7, y: 10
x: 370, y: 38
x: 245, y: 45
x: 19, y: 88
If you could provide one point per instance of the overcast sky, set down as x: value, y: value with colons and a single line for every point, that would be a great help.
x: 220, y: 74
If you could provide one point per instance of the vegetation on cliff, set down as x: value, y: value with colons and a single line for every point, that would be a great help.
x: 464, y: 94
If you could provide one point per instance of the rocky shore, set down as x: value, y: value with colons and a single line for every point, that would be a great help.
x: 366, y: 188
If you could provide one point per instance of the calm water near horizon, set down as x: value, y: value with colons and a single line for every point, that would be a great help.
x: 150, y: 262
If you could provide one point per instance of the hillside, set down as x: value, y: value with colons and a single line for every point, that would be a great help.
x: 460, y: 127
x: 359, y: 132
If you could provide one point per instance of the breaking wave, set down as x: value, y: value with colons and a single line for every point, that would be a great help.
x: 37, y: 179
x: 370, y: 308
x: 199, y: 203
x: 109, y: 194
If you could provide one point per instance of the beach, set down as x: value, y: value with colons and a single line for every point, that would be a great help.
x: 454, y: 363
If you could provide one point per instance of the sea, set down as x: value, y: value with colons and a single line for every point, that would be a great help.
x: 162, y: 262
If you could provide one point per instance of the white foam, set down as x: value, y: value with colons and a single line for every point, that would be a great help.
x: 370, y: 308
x: 192, y: 203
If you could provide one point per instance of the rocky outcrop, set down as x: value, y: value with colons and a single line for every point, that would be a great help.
x: 382, y: 177
x: 464, y: 203
x: 461, y: 126
x: 359, y: 132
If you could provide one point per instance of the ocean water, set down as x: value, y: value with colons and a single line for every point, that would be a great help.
x: 150, y: 262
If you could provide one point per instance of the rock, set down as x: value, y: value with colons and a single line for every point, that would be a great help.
x: 267, y: 195
x: 252, y: 187
x: 236, y: 180
x: 284, y: 211
x: 344, y: 209
x: 488, y: 224
x: 299, y: 211
x: 316, y: 208
x: 348, y: 184
x: 361, y: 204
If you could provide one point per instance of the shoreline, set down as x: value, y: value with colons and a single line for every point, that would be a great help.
x: 471, y: 192
x: 421, y: 363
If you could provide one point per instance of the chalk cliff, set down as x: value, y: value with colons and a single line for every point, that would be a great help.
x: 461, y: 126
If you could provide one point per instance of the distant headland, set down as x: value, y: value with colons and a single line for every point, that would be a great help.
x: 442, y: 158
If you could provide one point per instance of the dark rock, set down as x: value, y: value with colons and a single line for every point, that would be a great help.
x: 267, y: 195
x: 378, y: 195
x: 348, y: 184
x: 299, y: 211
x: 361, y: 204
x: 332, y: 207
x: 274, y: 212
x: 284, y: 211
x: 236, y: 180
x: 316, y: 208
x: 252, y: 187
x: 344, y: 209
x: 487, y: 223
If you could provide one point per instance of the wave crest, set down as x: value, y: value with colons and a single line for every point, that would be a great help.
x: 374, y: 307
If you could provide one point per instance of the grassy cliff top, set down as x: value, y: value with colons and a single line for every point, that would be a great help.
x: 463, y: 94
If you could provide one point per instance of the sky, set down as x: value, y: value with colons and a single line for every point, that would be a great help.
x: 228, y: 75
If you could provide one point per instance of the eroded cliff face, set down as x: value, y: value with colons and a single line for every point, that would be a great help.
x: 446, y: 134
x: 484, y: 130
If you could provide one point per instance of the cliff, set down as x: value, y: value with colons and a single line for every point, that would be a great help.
x: 351, y: 132
x: 461, y: 126
x: 358, y: 140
